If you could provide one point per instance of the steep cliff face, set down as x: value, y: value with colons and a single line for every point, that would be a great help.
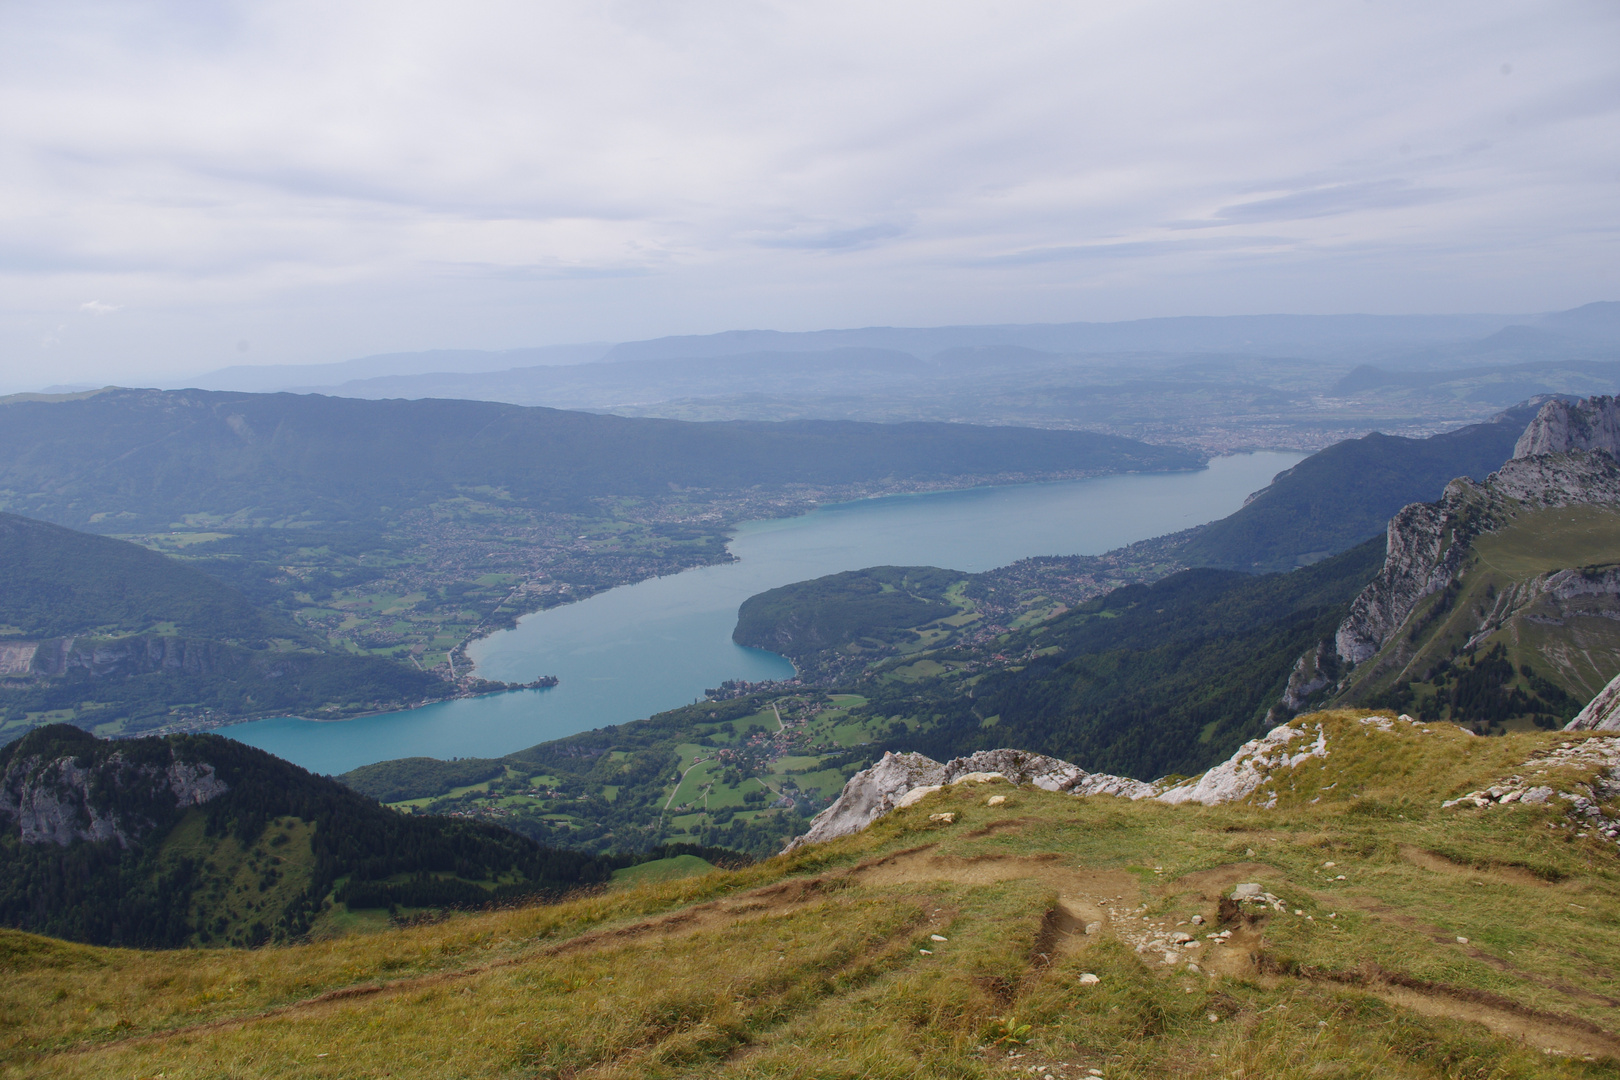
x: 1429, y: 542
x: 1562, y: 426
x: 102, y: 658
x: 61, y: 799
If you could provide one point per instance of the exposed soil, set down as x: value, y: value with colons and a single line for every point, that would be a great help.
x: 1512, y: 875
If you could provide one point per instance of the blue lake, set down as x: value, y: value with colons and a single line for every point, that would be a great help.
x: 640, y: 649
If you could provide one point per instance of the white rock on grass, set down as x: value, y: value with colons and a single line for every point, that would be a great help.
x: 1242, y: 774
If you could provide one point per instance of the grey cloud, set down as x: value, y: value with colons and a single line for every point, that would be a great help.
x: 1328, y: 201
x: 834, y: 239
x: 1133, y: 249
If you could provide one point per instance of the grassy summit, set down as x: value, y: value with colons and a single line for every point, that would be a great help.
x: 920, y: 948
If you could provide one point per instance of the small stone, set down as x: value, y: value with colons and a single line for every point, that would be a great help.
x: 1461, y: 940
x: 1198, y: 920
x: 937, y: 937
x: 1092, y: 928
x: 1088, y: 979
x: 1212, y: 1018
x: 1248, y: 890
x: 926, y: 952
x: 1328, y: 865
x: 1299, y: 911
x: 1181, y: 937
x: 1249, y: 852
x: 945, y: 819
x: 995, y: 800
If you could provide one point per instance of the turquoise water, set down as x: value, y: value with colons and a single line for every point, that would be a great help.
x: 640, y: 649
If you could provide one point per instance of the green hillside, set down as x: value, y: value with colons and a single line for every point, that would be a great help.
x: 882, y: 603
x: 1147, y: 680
x: 60, y: 583
x: 280, y: 854
x: 127, y: 459
x: 120, y: 639
x: 1035, y: 937
x: 1340, y: 496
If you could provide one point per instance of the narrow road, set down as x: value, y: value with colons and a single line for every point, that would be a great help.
x: 682, y: 780
x: 779, y: 725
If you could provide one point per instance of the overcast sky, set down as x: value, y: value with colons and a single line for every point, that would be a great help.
x: 194, y: 184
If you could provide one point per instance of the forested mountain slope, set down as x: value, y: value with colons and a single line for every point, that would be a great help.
x: 121, y: 639
x: 123, y: 459
x: 198, y: 839
x: 1145, y: 681
x: 1340, y: 496
x: 60, y: 582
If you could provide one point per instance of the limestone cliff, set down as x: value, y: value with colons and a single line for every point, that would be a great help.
x: 1602, y: 713
x: 1428, y: 543
x: 899, y: 780
x: 1562, y: 426
x: 62, y: 799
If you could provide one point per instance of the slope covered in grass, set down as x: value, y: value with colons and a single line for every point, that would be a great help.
x: 921, y: 948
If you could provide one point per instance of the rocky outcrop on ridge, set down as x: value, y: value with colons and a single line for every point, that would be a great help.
x: 899, y: 780
x: 1427, y: 542
x: 1546, y: 776
x: 1245, y: 772
x: 1562, y: 426
x: 60, y: 800
x: 1602, y: 713
x: 1424, y: 549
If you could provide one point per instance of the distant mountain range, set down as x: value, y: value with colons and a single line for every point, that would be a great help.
x: 1214, y: 384
x: 127, y: 459
x: 1310, y: 336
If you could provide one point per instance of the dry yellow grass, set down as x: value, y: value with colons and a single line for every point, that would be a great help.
x: 825, y: 964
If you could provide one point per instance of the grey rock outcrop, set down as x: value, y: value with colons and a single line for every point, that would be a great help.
x: 900, y: 779
x: 1243, y: 774
x: 1602, y: 713
x: 1313, y: 672
x: 58, y: 801
x: 1562, y: 426
x: 870, y: 794
x: 1422, y: 557
x: 1428, y: 542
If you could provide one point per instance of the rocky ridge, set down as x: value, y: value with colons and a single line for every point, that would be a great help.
x: 1602, y: 713
x: 899, y: 780
x: 1428, y: 542
x: 1561, y: 426
x: 1598, y: 756
x: 60, y: 800
x: 1565, y: 457
x: 1583, y: 775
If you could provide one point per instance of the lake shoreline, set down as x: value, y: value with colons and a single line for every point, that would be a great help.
x: 639, y: 649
